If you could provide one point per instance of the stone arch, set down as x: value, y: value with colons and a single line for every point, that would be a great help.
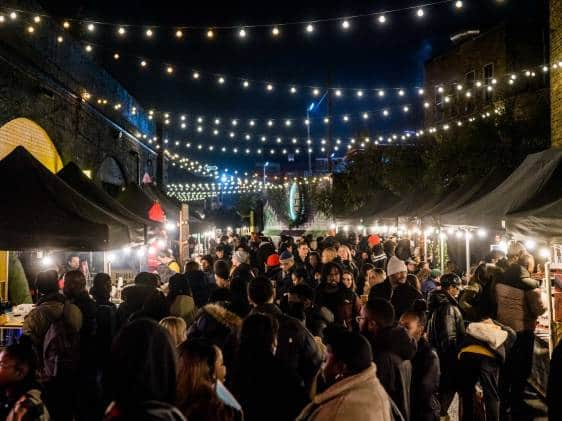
x: 24, y: 132
x: 111, y: 176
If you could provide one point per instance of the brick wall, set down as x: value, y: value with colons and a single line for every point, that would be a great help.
x: 556, y: 76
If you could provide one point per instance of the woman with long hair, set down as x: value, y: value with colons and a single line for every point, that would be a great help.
x: 200, y: 375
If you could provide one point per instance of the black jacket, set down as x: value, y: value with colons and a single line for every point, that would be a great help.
x: 267, y: 388
x: 445, y: 326
x: 425, y: 383
x: 393, y: 349
x: 402, y: 297
x: 295, y: 345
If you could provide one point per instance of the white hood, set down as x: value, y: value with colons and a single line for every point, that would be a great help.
x: 490, y: 333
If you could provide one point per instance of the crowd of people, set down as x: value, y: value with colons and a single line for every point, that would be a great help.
x: 335, y: 328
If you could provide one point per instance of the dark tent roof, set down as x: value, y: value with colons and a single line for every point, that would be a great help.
x: 467, y: 193
x: 42, y: 211
x: 534, y: 183
x: 412, y: 205
x: 75, y: 178
x: 542, y: 223
x: 136, y: 200
x: 171, y: 206
x: 379, y: 201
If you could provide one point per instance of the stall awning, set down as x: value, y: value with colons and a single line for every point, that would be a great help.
x: 40, y: 211
x: 74, y: 177
x: 536, y: 182
x: 467, y: 193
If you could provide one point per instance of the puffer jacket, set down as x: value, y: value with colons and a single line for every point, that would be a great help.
x: 519, y: 298
x: 358, y: 397
x: 49, y: 309
x: 446, y: 325
x: 296, y: 346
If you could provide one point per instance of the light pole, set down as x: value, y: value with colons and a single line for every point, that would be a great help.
x: 264, y: 167
x: 309, y: 110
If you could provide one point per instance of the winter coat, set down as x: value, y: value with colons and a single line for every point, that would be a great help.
x: 393, y: 349
x: 318, y: 319
x: 200, y: 287
x: 133, y: 296
x: 349, y: 309
x: 402, y: 297
x: 296, y: 347
x: 425, y: 383
x: 519, y: 304
x: 106, y: 321
x: 358, y: 397
x: 267, y: 388
x: 184, y: 306
x: 330, y: 297
x: 220, y: 327
x: 489, y: 339
x: 27, y: 406
x: 48, y: 310
x: 478, y: 300
x: 445, y: 326
x: 146, y: 411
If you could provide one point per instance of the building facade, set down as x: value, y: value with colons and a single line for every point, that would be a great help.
x: 473, y: 75
x: 51, y: 102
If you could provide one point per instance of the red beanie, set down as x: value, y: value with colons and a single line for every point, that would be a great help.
x: 374, y: 240
x: 272, y: 260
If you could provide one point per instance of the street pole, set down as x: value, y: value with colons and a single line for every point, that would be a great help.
x: 549, y: 295
x: 467, y: 239
x: 308, y: 137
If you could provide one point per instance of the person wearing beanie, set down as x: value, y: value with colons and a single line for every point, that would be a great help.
x: 431, y: 283
x: 240, y: 257
x: 395, y: 288
x: 284, y: 281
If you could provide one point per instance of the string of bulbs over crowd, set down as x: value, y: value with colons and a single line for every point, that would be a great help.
x: 242, y: 32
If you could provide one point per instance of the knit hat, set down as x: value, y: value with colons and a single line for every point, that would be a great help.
x: 272, y: 260
x: 374, y: 240
x: 286, y: 255
x: 241, y: 256
x: 395, y: 265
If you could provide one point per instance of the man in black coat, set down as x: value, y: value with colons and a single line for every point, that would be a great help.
x: 446, y: 333
x: 393, y: 350
x: 295, y: 345
x: 395, y: 288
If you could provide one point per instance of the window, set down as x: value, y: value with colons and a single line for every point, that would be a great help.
x: 488, y: 76
x: 488, y: 73
x: 470, y: 78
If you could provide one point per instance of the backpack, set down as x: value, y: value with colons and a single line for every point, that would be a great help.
x: 61, y: 348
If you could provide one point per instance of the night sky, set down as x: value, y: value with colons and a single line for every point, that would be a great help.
x: 369, y: 55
